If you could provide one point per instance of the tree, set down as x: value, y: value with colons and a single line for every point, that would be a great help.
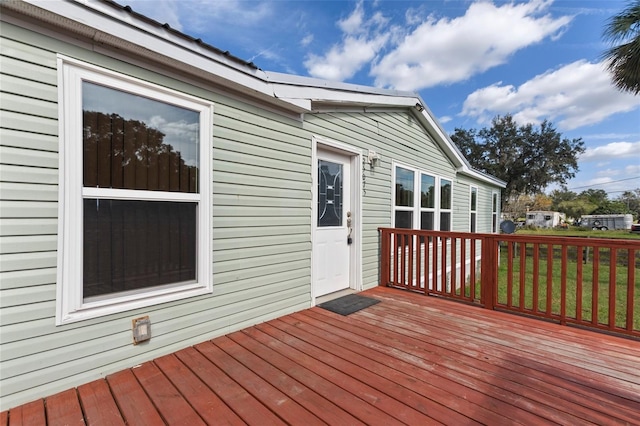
x: 595, y: 196
x: 561, y: 195
x: 623, y: 58
x: 632, y: 200
x: 527, y: 158
x: 612, y: 207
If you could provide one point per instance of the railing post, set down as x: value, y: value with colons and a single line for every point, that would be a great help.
x: 385, y: 254
x: 489, y: 274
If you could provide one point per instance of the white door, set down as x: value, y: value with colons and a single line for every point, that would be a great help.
x: 333, y: 222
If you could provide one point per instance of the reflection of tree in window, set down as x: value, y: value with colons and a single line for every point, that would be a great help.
x: 127, y: 154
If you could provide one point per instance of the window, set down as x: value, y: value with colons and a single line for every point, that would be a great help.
x: 427, y: 201
x: 494, y: 212
x: 431, y: 210
x: 473, y: 209
x: 135, y: 195
x: 445, y: 205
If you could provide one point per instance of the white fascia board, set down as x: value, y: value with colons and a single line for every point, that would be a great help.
x: 120, y: 24
x: 302, y: 81
x: 330, y: 95
x: 483, y: 177
x: 303, y: 104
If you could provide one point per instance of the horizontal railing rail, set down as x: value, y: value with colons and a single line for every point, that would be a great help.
x: 590, y: 282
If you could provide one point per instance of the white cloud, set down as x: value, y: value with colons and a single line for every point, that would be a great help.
x: 613, y: 150
x: 575, y: 95
x: 307, y: 40
x: 451, y: 50
x: 201, y: 15
x: 362, y: 40
x: 445, y: 119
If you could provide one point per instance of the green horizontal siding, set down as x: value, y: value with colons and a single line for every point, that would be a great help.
x: 261, y: 228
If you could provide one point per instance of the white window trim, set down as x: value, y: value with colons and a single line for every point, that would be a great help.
x: 440, y: 208
x: 495, y: 214
x: 70, y: 306
x: 473, y: 220
x: 417, y: 208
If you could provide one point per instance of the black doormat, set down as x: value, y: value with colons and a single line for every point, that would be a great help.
x: 348, y: 304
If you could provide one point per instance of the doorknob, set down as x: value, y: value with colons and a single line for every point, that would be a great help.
x: 349, y: 228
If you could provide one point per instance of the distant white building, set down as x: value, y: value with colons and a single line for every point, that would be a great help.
x: 544, y: 219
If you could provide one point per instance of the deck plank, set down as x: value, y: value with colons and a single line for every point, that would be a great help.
x: 98, y: 404
x: 133, y: 402
x: 321, y: 378
x: 31, y: 413
x: 235, y: 396
x: 411, y: 359
x: 206, y: 403
x: 171, y: 405
x: 64, y: 409
x: 284, y: 381
x: 278, y: 402
x: 505, y: 367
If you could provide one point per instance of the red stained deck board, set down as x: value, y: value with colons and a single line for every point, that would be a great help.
x: 349, y: 378
x: 533, y: 355
x: 506, y: 368
x: 524, y: 404
x: 98, y: 404
x: 311, y: 373
x: 208, y: 405
x: 134, y: 404
x: 168, y: 401
x: 440, y: 392
x: 64, y: 409
x: 235, y: 396
x: 284, y: 381
x: 278, y: 402
x: 28, y: 414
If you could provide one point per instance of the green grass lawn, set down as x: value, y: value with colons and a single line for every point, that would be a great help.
x: 572, y: 283
x: 577, y: 231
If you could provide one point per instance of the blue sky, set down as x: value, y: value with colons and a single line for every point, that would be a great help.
x: 469, y: 60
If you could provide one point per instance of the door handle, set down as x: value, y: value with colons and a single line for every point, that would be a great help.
x: 349, y: 228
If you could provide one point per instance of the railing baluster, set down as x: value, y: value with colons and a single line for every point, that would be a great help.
x: 522, y: 277
x: 613, y: 261
x: 549, y: 281
x: 631, y: 284
x: 595, y: 287
x: 463, y: 267
x: 579, y: 264
x: 536, y: 278
x: 510, y: 255
x: 563, y: 285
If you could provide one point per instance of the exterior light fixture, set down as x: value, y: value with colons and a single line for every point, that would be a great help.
x: 419, y: 107
x: 373, y: 158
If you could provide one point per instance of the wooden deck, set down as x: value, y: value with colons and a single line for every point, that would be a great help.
x: 410, y: 359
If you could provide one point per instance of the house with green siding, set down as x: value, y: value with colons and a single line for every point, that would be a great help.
x: 149, y: 178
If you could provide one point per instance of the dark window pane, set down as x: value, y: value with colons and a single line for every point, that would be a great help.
x: 445, y: 221
x: 132, y: 142
x: 426, y: 221
x: 404, y: 187
x: 445, y: 194
x: 473, y: 222
x: 131, y: 245
x: 404, y: 219
x: 474, y: 199
x: 329, y: 193
x: 427, y: 191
